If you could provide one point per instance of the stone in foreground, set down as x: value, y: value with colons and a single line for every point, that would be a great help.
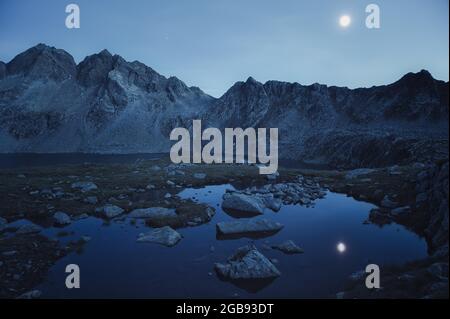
x: 248, y: 226
x: 247, y: 263
x: 242, y: 202
x: 110, y: 211
x: 152, y: 212
x: 164, y: 236
x: 288, y: 247
x: 29, y: 229
x: 61, y: 219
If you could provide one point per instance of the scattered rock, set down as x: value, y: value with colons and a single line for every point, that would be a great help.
x: 84, y: 186
x: 248, y: 226
x: 247, y: 263
x: 288, y: 247
x: 165, y: 236
x: 29, y: 229
x: 242, y: 202
x: 110, y: 211
x: 61, y: 219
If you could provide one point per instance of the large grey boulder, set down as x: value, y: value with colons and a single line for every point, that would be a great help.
x: 29, y: 229
x: 164, y: 236
x: 243, y: 202
x: 249, y: 226
x: 247, y: 263
x: 152, y: 212
x: 61, y: 219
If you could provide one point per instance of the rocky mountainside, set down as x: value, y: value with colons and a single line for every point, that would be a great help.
x: 105, y: 104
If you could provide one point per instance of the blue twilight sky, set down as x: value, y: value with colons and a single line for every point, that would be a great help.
x: 214, y: 43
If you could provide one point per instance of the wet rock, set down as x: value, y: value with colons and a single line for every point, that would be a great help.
x: 61, y: 219
x: 242, y: 202
x: 288, y: 247
x: 84, y: 186
x: 247, y: 263
x: 152, y: 212
x: 272, y: 202
x: 301, y: 191
x: 248, y: 226
x: 29, y: 229
x: 110, y: 211
x: 164, y: 236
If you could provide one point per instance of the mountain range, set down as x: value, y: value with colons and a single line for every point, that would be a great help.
x: 104, y: 104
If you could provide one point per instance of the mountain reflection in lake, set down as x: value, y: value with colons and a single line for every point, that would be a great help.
x: 113, y: 265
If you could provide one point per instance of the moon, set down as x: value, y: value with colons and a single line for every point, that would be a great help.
x: 341, y: 247
x: 345, y: 21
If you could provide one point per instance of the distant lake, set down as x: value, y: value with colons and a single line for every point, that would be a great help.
x: 24, y: 160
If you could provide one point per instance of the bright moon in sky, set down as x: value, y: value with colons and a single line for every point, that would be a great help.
x: 345, y: 21
x: 341, y: 247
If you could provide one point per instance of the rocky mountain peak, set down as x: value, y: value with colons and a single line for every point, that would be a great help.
x: 94, y: 69
x: 43, y: 62
x: 422, y: 79
x: 2, y: 70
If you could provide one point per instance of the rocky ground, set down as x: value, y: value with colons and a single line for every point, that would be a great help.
x: 414, y: 195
